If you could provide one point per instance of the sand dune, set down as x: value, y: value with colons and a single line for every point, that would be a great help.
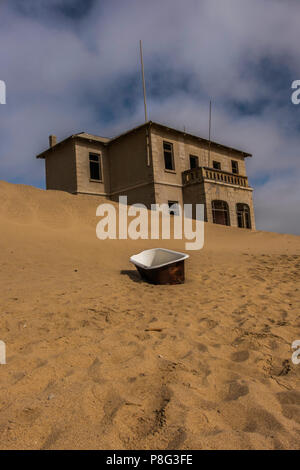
x: 98, y: 359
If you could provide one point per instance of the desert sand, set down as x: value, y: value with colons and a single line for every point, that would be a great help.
x: 98, y: 359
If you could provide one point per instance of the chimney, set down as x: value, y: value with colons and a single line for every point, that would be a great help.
x: 52, y: 140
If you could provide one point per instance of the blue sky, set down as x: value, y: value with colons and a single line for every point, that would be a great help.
x: 73, y: 66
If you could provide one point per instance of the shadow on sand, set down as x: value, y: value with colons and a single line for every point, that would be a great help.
x: 132, y: 274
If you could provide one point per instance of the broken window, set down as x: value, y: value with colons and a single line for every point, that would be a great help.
x: 95, y: 167
x: 235, y: 167
x: 243, y: 215
x: 194, y: 162
x: 216, y: 165
x: 220, y: 212
x: 168, y: 156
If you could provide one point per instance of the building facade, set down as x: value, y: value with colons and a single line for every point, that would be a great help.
x: 155, y: 164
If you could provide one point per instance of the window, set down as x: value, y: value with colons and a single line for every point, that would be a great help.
x: 169, y: 156
x: 243, y: 215
x: 173, y: 207
x: 216, y: 165
x: 235, y: 167
x: 95, y: 167
x: 194, y: 163
x: 220, y: 212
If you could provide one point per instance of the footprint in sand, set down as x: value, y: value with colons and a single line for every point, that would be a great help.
x: 159, y: 411
x: 201, y: 347
x: 28, y: 415
x: 291, y: 397
x: 290, y: 404
x: 236, y: 390
x: 94, y: 371
x: 111, y: 406
x: 41, y: 363
x: 51, y: 439
x: 261, y: 421
x: 18, y: 377
x: 131, y: 379
x: 240, y: 356
x: 177, y: 440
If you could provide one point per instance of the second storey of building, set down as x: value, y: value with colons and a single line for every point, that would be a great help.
x: 150, y: 164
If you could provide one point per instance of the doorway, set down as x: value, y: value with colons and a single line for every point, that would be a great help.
x: 243, y: 215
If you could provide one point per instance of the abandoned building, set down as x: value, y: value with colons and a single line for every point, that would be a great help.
x: 155, y: 164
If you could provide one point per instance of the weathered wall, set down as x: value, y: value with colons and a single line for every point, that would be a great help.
x: 84, y: 183
x: 128, y: 163
x: 183, y: 147
x: 195, y: 194
x: 171, y: 181
x: 161, y: 175
x: 225, y: 157
x: 61, y: 169
x: 143, y: 194
x: 232, y: 196
x: 165, y: 193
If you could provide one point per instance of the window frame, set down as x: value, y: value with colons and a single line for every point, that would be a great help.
x: 244, y: 214
x: 100, y: 169
x: 235, y: 162
x: 224, y: 209
x: 218, y: 163
x: 172, y: 212
x: 171, y: 151
x: 196, y: 160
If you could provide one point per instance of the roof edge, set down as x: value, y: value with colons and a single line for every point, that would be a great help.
x: 64, y: 141
x: 193, y: 136
x: 153, y: 123
x: 149, y: 124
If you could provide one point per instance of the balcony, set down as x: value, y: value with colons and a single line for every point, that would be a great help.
x: 201, y: 174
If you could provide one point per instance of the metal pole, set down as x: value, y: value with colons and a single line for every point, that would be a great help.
x: 143, y: 78
x: 209, y: 133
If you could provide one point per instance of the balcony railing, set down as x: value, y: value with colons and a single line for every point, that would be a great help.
x: 200, y: 174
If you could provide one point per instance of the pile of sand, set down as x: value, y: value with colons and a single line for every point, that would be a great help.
x: 98, y: 359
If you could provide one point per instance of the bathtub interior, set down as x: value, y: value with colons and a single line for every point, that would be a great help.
x: 157, y: 257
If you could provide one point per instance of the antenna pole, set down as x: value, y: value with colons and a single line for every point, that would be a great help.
x: 143, y: 78
x: 209, y: 133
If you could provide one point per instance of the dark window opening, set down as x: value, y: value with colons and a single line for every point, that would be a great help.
x: 235, y: 167
x: 95, y: 167
x: 220, y: 212
x: 169, y: 156
x: 216, y: 165
x: 243, y: 215
x: 194, y: 162
x: 173, y: 207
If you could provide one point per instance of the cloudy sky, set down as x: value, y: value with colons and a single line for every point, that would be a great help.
x: 73, y: 65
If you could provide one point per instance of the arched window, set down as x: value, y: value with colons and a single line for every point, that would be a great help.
x: 220, y: 212
x: 243, y: 215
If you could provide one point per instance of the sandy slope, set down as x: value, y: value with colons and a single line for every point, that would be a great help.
x: 98, y: 359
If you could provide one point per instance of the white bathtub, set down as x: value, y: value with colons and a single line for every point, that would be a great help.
x: 160, y: 265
